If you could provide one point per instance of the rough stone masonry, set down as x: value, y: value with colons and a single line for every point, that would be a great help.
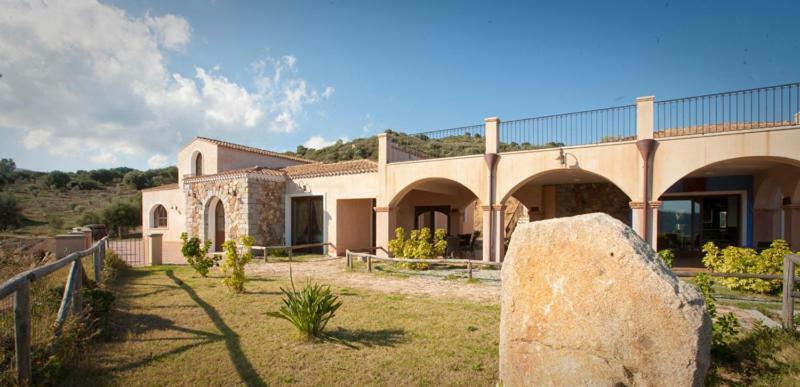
x: 585, y: 301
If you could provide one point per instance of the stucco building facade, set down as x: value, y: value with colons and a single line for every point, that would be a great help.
x: 722, y: 168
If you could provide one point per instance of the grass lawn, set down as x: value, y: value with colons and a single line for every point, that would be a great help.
x: 175, y: 328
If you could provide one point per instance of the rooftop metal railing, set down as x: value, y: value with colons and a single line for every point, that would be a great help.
x: 580, y: 128
x: 461, y: 141
x: 764, y: 107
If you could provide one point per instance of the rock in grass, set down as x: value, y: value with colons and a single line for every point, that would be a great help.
x: 585, y: 301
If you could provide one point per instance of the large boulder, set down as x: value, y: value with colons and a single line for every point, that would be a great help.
x: 585, y: 301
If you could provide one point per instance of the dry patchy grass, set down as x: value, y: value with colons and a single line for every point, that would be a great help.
x: 174, y: 327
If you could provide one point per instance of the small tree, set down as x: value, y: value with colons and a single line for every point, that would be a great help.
x: 121, y: 214
x: 196, y: 254
x: 10, y: 215
x: 57, y: 179
x: 234, y: 263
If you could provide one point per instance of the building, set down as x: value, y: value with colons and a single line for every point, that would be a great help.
x: 722, y: 167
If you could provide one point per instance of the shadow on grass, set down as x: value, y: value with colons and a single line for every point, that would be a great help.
x: 368, y: 338
x: 243, y: 366
x: 758, y: 356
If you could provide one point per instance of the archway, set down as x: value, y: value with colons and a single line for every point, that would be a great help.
x: 197, y: 164
x: 438, y: 203
x: 215, y: 223
x: 564, y: 192
x: 734, y: 202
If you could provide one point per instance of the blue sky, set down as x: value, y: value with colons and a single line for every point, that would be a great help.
x: 350, y: 69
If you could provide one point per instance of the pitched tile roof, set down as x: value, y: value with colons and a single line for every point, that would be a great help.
x: 246, y: 148
x: 162, y: 187
x: 233, y: 173
x: 332, y: 169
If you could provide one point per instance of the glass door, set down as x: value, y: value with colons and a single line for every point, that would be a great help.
x: 679, y: 226
x: 307, y: 223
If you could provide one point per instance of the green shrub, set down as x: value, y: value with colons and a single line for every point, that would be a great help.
x: 196, y: 254
x: 113, y: 265
x: 723, y: 328
x: 310, y: 309
x: 10, y: 215
x: 419, y: 245
x: 234, y: 263
x: 667, y: 256
x: 55, y: 222
x: 745, y: 260
x: 280, y: 253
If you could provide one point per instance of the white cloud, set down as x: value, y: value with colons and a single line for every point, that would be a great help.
x: 158, y: 161
x: 105, y: 158
x: 318, y: 142
x: 86, y: 78
x: 171, y: 31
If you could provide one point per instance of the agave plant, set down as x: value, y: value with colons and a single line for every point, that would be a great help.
x: 310, y: 309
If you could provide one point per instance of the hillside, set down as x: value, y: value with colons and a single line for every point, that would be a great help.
x: 367, y: 148
x: 44, y: 203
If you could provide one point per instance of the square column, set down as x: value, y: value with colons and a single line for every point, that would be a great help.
x: 385, y: 223
x: 499, y: 236
x: 791, y: 225
x: 654, y: 206
x: 637, y: 217
x: 486, y: 234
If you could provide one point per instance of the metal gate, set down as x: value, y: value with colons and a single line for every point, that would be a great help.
x: 131, y: 250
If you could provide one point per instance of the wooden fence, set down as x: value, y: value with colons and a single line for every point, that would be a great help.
x: 289, y: 249
x: 349, y: 255
x: 20, y: 286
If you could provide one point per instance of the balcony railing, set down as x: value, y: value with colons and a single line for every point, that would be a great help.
x: 765, y: 107
x: 461, y: 141
x: 580, y: 128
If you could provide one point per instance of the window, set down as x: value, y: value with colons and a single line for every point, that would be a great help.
x: 198, y: 165
x: 160, y: 217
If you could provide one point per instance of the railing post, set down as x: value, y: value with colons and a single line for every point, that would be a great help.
x: 492, y: 133
x: 788, y: 288
x: 97, y: 258
x: 347, y: 256
x: 291, y: 253
x: 77, y: 300
x: 469, y: 269
x: 22, y: 333
x: 369, y: 263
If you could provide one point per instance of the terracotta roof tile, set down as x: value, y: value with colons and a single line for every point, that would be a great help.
x: 332, y: 169
x: 246, y: 148
x: 162, y: 187
x: 237, y: 172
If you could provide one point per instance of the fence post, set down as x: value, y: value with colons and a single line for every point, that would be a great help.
x: 22, y: 332
x: 469, y: 269
x: 347, y: 260
x: 291, y: 253
x: 77, y: 300
x: 369, y: 263
x: 96, y: 261
x: 788, y: 288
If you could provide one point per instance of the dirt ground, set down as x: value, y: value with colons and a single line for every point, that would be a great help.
x: 335, y: 271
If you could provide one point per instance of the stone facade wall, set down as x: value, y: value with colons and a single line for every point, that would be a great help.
x: 233, y: 194
x: 252, y: 207
x: 577, y: 199
x: 266, y: 216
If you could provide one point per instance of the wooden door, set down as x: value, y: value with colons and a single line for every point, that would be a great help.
x: 219, y: 226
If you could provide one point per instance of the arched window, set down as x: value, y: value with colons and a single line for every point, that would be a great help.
x: 198, y: 165
x: 160, y: 217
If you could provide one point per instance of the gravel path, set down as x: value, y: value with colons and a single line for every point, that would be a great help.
x: 430, y: 282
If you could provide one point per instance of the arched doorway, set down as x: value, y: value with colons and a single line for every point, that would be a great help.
x: 215, y: 223
x: 439, y: 203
